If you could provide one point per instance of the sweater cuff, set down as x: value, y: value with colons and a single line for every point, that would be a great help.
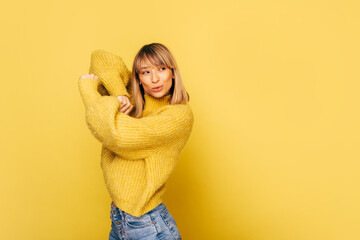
x: 88, y: 88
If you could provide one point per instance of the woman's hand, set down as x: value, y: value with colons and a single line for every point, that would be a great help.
x: 87, y: 76
x: 126, y: 106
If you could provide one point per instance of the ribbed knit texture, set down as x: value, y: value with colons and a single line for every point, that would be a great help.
x: 138, y: 154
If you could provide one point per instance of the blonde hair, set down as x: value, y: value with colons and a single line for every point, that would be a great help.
x: 157, y: 54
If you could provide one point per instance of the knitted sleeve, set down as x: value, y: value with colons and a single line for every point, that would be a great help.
x: 112, y: 72
x: 89, y: 90
x: 121, y: 133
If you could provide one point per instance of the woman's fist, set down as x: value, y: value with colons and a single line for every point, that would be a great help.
x: 126, y: 106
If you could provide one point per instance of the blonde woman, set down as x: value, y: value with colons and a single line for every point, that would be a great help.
x: 143, y: 120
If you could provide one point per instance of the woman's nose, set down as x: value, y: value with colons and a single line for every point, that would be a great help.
x: 155, y: 77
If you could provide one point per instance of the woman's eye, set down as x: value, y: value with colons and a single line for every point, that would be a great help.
x: 163, y: 68
x: 144, y: 72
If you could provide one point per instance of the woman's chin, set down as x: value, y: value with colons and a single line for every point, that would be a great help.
x: 157, y: 94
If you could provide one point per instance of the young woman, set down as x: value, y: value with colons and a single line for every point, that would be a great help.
x: 143, y: 119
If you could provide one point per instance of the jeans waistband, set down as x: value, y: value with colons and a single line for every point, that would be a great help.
x: 159, y: 207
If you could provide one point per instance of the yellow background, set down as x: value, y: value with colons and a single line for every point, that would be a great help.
x: 274, y: 87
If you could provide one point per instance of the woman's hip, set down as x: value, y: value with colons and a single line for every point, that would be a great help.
x: 158, y: 223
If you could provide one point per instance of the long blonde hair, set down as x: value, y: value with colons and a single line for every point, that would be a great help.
x: 157, y: 54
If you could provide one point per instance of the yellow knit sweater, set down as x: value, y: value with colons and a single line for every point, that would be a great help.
x: 138, y: 154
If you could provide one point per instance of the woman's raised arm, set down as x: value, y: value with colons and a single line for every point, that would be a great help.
x: 112, y: 72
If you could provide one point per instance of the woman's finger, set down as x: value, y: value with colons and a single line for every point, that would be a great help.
x: 125, y: 107
x: 123, y: 104
x: 127, y: 103
x: 129, y: 110
x: 125, y: 110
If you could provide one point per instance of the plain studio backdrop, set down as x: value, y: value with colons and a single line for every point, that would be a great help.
x: 274, y: 87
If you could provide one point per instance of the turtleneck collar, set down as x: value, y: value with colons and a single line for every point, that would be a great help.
x: 153, y: 103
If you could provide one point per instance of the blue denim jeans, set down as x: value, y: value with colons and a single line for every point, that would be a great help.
x: 156, y: 224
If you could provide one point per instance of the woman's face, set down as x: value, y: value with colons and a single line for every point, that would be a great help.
x: 152, y: 76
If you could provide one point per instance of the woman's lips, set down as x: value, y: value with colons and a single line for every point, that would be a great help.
x: 157, y: 89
